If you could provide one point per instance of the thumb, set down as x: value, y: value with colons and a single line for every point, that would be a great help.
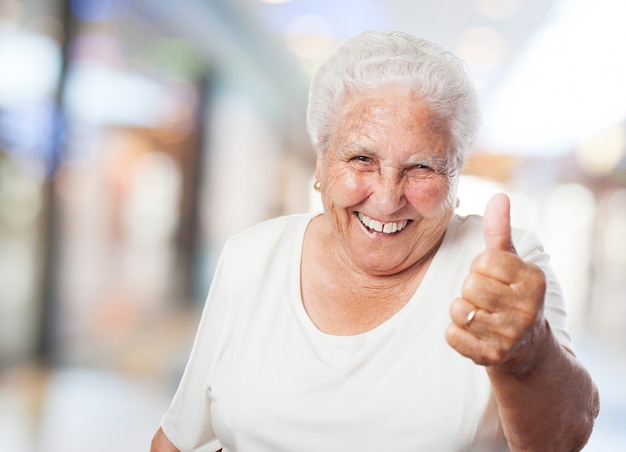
x: 497, y: 223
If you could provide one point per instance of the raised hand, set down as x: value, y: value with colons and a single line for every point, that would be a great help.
x: 499, y: 316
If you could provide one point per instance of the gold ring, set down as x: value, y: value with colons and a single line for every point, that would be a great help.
x: 470, y: 317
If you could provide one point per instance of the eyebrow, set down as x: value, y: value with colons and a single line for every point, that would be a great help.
x: 432, y: 161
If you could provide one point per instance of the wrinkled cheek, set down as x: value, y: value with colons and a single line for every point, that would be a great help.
x: 345, y: 190
x: 344, y: 177
x: 434, y: 198
x: 352, y: 183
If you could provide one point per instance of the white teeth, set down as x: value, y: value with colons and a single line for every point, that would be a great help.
x: 387, y: 228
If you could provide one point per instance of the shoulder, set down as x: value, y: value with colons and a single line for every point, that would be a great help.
x: 269, y: 232
x: 255, y: 246
x: 467, y: 231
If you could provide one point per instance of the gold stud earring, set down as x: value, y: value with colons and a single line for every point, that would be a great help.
x: 317, y: 185
x: 458, y: 202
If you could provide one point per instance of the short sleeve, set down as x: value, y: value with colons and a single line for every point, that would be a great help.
x: 530, y: 248
x: 187, y: 422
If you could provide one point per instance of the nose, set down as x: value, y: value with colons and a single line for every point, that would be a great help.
x: 388, y: 193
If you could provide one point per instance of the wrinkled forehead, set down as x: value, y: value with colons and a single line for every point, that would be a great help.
x: 389, y: 115
x: 391, y: 108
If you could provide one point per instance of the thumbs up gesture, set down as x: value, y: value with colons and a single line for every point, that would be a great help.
x: 499, y: 317
x: 497, y: 224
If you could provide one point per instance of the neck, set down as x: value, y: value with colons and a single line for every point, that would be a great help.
x: 365, y: 284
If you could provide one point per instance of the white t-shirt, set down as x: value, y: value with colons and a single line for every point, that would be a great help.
x: 261, y: 377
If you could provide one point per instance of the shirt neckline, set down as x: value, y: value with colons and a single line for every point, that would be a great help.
x: 413, y: 303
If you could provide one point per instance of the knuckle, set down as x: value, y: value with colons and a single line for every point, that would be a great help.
x: 487, y: 260
x: 469, y: 284
x: 455, y: 309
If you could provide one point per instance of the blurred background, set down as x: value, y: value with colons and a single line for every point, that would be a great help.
x: 136, y: 136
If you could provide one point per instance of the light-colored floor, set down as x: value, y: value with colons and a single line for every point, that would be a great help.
x: 88, y: 410
x: 79, y: 411
x: 607, y: 364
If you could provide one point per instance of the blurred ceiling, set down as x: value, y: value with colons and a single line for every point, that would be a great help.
x: 549, y: 71
x: 283, y: 35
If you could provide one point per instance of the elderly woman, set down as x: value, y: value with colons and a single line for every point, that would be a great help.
x: 386, y: 322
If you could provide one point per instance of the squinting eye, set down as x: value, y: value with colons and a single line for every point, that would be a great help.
x: 419, y: 170
x: 363, y: 162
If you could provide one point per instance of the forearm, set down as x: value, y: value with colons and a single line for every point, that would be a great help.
x: 552, y: 406
x: 160, y: 443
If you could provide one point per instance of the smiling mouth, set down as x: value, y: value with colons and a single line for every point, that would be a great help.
x: 377, y: 226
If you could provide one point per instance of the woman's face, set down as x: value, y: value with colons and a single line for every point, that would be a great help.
x: 387, y: 186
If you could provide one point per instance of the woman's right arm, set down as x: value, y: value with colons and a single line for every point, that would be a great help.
x: 188, y: 418
x: 160, y: 443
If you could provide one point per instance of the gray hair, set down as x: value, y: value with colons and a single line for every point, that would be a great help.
x: 375, y: 59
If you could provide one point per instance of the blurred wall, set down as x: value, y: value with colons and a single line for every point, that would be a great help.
x: 135, y: 137
x: 131, y: 146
